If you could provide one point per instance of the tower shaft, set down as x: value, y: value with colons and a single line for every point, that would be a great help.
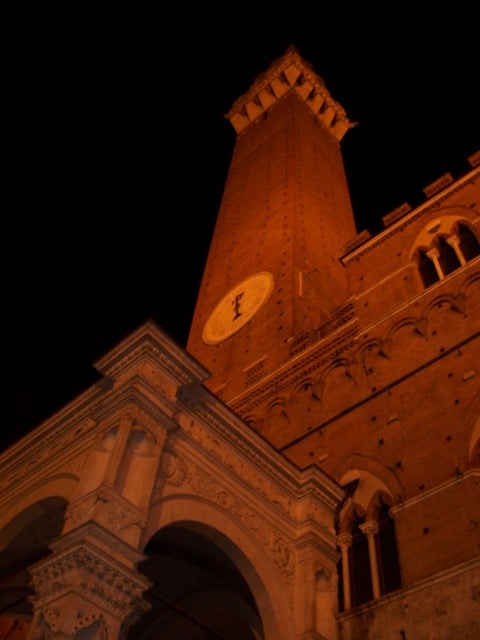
x: 285, y: 217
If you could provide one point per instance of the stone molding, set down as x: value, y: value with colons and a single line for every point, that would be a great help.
x: 246, y: 450
x: 150, y: 344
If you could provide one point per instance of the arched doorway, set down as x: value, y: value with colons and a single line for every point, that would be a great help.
x: 197, y: 592
x: 24, y: 541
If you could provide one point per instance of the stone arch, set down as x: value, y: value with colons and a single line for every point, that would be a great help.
x: 449, y: 300
x: 336, y: 381
x: 375, y: 477
x: 417, y: 325
x: 405, y: 340
x: 474, y: 445
x: 444, y: 244
x: 370, y: 357
x: 468, y: 242
x: 470, y: 290
x: 24, y: 540
x: 60, y: 486
x: 369, y: 486
x: 369, y: 565
x: 440, y: 225
x: 276, y: 420
x: 252, y: 555
x: 467, y: 440
x: 304, y: 390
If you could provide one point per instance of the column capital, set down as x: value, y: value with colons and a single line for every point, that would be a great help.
x: 344, y: 540
x: 89, y: 579
x: 369, y: 528
x: 433, y: 253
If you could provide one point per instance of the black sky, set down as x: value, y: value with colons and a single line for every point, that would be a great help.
x: 115, y: 151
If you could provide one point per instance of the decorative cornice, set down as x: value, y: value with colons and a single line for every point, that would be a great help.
x: 150, y: 342
x: 289, y: 73
x: 250, y: 446
x: 132, y: 399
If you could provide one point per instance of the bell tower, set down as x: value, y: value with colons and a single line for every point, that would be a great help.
x: 273, y: 272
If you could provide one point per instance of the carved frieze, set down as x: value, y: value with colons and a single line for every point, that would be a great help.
x: 280, y: 550
x: 235, y: 464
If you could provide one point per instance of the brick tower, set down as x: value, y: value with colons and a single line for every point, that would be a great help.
x: 273, y: 275
x: 354, y: 354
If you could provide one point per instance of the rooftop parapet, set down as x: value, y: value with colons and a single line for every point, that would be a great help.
x: 289, y: 73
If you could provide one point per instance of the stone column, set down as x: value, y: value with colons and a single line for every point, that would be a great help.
x: 454, y: 242
x: 433, y: 255
x: 344, y: 541
x: 89, y: 583
x: 370, y: 529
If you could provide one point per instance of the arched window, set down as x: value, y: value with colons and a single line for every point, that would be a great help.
x: 369, y: 565
x: 426, y: 268
x: 468, y: 243
x: 447, y: 257
x: 388, y: 565
x: 360, y: 576
x: 444, y: 245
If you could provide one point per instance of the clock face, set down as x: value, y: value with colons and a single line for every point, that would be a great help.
x: 238, y: 307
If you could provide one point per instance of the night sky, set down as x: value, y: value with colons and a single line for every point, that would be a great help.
x: 115, y: 151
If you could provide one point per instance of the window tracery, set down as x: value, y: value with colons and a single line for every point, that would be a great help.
x: 446, y: 253
x: 368, y: 567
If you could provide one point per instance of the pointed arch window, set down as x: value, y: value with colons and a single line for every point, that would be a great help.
x: 369, y: 566
x: 447, y: 257
x: 360, y: 578
x: 426, y: 268
x: 447, y: 253
x: 468, y: 242
x: 389, y: 567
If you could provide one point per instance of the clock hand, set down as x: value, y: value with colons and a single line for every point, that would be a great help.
x: 236, y: 305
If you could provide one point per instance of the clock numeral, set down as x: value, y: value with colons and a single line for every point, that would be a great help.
x: 236, y: 305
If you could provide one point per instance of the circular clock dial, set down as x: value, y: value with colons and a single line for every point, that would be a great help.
x: 237, y: 307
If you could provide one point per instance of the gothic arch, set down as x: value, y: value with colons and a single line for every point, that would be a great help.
x: 257, y: 563
x: 442, y: 224
x: 470, y: 289
x: 369, y: 566
x: 369, y: 487
x: 371, y: 355
x: 373, y: 476
x: 276, y: 419
x: 474, y: 444
x: 303, y: 389
x: 418, y: 327
x: 444, y: 244
x: 447, y: 299
x: 332, y: 383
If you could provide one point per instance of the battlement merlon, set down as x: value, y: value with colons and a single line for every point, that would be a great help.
x: 289, y: 73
